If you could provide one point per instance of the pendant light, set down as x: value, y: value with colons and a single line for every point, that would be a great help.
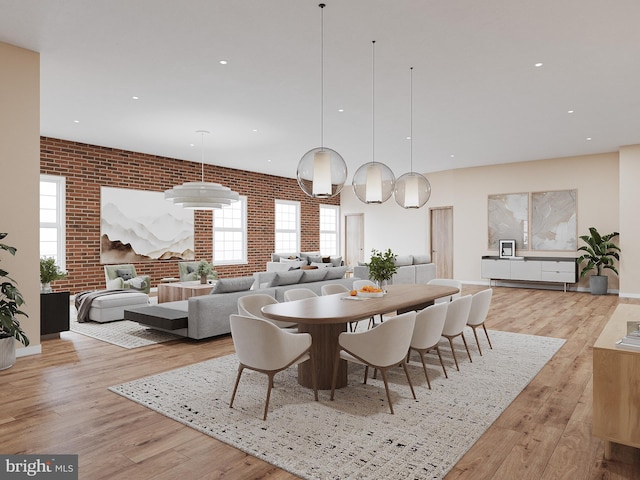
x: 201, y: 195
x: 321, y: 171
x: 373, y: 182
x: 412, y: 189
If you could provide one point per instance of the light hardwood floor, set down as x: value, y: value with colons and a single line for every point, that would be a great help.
x: 58, y: 402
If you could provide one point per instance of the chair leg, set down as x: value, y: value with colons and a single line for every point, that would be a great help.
x: 424, y: 367
x: 487, y: 334
x: 266, y: 403
x: 386, y: 387
x: 366, y: 374
x: 466, y: 346
x: 476, y: 335
x: 441, y: 362
x: 453, y: 352
x: 336, y: 365
x: 406, y: 372
x: 235, y: 388
x: 314, y: 374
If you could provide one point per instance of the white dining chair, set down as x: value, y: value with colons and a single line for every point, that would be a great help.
x: 263, y: 347
x: 298, y: 294
x: 480, y: 304
x: 457, y: 316
x: 447, y: 282
x: 357, y: 285
x: 381, y: 348
x: 251, y: 306
x: 334, y: 289
x: 427, y: 333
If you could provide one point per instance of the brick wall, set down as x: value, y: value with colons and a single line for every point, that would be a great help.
x: 88, y: 167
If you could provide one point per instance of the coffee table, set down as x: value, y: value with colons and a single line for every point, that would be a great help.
x: 157, y: 317
x: 172, y: 292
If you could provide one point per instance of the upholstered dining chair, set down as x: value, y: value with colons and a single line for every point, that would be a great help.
x: 357, y: 285
x: 427, y: 333
x: 251, y: 306
x: 383, y: 347
x: 265, y: 348
x: 447, y: 282
x: 457, y: 315
x: 298, y: 294
x: 334, y: 288
x: 480, y: 303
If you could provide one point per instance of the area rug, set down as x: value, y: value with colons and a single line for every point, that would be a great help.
x: 355, y: 436
x: 123, y: 333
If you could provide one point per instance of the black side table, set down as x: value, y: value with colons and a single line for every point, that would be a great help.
x: 54, y: 313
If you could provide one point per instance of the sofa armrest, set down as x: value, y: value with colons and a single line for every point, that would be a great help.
x: 115, y: 284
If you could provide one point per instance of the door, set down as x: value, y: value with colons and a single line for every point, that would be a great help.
x: 354, y: 239
x: 441, y: 220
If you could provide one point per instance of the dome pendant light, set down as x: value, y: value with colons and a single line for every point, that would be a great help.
x: 201, y: 195
x: 373, y: 182
x: 412, y: 189
x: 321, y: 171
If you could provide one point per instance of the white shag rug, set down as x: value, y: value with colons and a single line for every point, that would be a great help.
x: 355, y: 436
x: 123, y: 333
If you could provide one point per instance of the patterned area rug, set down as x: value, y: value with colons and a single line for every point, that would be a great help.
x: 354, y: 436
x: 123, y: 333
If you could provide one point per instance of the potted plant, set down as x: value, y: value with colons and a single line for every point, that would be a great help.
x: 10, y: 302
x: 600, y: 254
x: 49, y: 272
x: 205, y: 270
x: 382, y: 266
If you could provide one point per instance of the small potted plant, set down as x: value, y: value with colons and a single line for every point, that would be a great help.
x: 10, y: 302
x: 600, y: 254
x: 382, y: 266
x: 49, y: 272
x: 205, y: 270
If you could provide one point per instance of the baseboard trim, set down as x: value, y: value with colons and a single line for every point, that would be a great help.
x: 27, y: 351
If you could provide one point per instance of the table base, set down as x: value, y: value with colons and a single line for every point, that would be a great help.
x: 325, y: 341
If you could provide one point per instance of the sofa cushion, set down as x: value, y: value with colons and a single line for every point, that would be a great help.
x: 293, y: 264
x: 235, y: 284
x: 286, y: 278
x: 336, y: 273
x: 404, y: 260
x: 421, y: 259
x: 336, y: 261
x: 314, y: 275
x: 307, y: 255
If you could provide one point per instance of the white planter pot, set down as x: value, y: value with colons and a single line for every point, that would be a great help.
x: 7, y: 352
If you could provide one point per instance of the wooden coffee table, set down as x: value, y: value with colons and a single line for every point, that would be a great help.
x: 172, y: 292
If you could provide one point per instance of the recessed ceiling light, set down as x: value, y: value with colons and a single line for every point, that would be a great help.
x: 192, y: 144
x: 452, y: 155
x: 223, y: 62
x: 569, y: 111
x: 269, y: 161
x: 135, y: 98
x: 588, y: 138
x: 408, y: 138
x: 254, y: 130
x: 539, y: 64
x: 76, y: 121
x: 341, y: 110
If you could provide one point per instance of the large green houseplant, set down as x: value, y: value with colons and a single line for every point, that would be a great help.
x: 600, y: 254
x: 10, y: 302
x: 382, y: 266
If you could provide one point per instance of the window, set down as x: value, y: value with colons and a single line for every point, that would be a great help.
x: 52, y: 224
x: 287, y: 226
x: 329, y: 229
x: 230, y: 233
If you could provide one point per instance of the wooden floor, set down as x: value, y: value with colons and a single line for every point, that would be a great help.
x: 58, y: 402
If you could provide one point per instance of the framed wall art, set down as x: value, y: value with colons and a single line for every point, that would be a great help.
x: 508, y: 218
x: 507, y: 248
x: 554, y: 220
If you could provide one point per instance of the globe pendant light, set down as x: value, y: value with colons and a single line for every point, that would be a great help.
x: 412, y: 189
x: 201, y: 195
x: 321, y: 171
x: 373, y: 182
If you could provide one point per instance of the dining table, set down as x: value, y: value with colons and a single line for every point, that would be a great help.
x: 325, y: 317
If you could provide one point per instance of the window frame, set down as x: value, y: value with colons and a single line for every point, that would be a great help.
x: 60, y: 223
x: 243, y: 230
x: 335, y: 232
x: 277, y: 230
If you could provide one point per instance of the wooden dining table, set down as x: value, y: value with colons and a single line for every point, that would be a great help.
x: 325, y: 318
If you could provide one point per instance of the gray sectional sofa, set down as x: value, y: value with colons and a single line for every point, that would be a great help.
x: 208, y: 315
x: 411, y: 269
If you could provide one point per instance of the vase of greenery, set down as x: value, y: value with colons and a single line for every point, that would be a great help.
x: 49, y: 272
x: 10, y: 301
x: 382, y: 266
x: 205, y: 270
x: 600, y: 253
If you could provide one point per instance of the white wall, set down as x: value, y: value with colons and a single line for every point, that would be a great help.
x: 629, y: 221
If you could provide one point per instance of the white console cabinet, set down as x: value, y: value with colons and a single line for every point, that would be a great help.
x: 533, y: 269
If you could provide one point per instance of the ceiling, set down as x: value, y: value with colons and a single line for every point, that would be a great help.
x: 478, y: 97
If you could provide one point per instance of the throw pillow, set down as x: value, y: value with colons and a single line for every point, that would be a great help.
x: 320, y: 264
x: 124, y: 274
x: 336, y: 272
x: 336, y: 261
x: 314, y: 275
x: 404, y: 260
x: 314, y: 259
x: 293, y: 264
x: 286, y: 278
x: 326, y: 259
x: 190, y: 269
x: 420, y: 259
x: 235, y: 284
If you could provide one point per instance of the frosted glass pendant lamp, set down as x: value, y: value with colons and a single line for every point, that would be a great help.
x: 321, y: 171
x: 412, y: 189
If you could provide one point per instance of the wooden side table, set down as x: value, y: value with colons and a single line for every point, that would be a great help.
x: 172, y: 292
x: 54, y: 313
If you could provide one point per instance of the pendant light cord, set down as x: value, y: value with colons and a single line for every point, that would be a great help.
x: 411, y: 119
x: 322, y: 5
x: 202, y: 133
x: 373, y: 101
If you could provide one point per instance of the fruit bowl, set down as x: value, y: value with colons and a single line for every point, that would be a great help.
x: 370, y: 294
